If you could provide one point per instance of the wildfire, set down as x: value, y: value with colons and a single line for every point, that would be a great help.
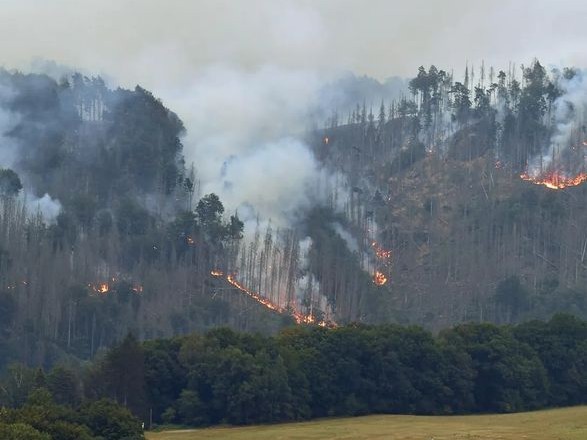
x: 326, y: 140
x: 101, y: 288
x: 555, y: 180
x: 190, y: 241
x: 110, y: 287
x: 380, y: 252
x: 379, y: 278
x: 299, y: 318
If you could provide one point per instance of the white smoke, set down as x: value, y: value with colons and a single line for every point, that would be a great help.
x: 351, y: 242
x: 569, y: 117
x: 241, y: 136
x: 308, y: 287
x: 46, y: 206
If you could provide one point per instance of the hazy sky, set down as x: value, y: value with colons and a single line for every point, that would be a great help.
x: 145, y: 40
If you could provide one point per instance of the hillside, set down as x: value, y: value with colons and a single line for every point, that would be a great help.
x: 459, y: 202
x: 475, y: 191
x: 563, y: 424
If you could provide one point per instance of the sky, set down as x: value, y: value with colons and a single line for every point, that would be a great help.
x: 143, y: 41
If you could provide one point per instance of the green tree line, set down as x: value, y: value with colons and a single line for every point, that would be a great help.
x: 226, y: 377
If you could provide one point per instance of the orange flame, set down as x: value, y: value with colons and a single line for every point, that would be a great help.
x: 326, y: 140
x: 101, y: 288
x: 298, y: 317
x: 380, y: 252
x: 379, y: 278
x: 555, y: 180
x: 190, y: 241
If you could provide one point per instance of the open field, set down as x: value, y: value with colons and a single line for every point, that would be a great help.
x: 558, y: 424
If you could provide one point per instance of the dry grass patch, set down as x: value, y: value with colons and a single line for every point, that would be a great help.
x: 557, y: 424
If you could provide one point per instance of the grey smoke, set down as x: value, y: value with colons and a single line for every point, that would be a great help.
x: 45, y: 206
x: 8, y: 121
x: 135, y: 40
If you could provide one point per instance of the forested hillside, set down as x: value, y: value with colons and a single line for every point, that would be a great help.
x: 100, y: 232
x: 475, y: 189
x: 461, y: 200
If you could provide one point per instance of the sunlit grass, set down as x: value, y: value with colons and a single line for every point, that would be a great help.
x: 557, y: 424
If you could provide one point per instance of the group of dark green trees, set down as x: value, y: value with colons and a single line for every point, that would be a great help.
x: 35, y: 407
x: 225, y: 377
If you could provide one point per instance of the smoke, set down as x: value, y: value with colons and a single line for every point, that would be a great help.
x: 569, y: 118
x: 244, y: 136
x: 8, y: 121
x: 348, y: 238
x: 46, y: 206
x: 570, y: 110
x: 308, y: 287
x: 377, y: 39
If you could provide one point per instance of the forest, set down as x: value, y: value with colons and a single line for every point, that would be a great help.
x: 236, y: 378
x: 474, y: 188
x: 459, y: 201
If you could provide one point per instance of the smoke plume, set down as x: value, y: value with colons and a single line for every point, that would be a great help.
x: 569, y: 118
x: 244, y: 137
x: 46, y: 206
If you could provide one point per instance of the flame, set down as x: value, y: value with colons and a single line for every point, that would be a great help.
x: 380, y: 252
x: 555, y: 180
x: 326, y: 140
x: 379, y: 278
x: 106, y: 287
x: 298, y: 317
x: 101, y: 288
x: 190, y: 241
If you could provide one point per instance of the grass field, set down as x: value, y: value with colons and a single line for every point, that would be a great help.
x: 557, y: 424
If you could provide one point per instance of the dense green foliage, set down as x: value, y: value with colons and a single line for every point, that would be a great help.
x: 40, y: 418
x: 225, y: 377
x: 307, y: 372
